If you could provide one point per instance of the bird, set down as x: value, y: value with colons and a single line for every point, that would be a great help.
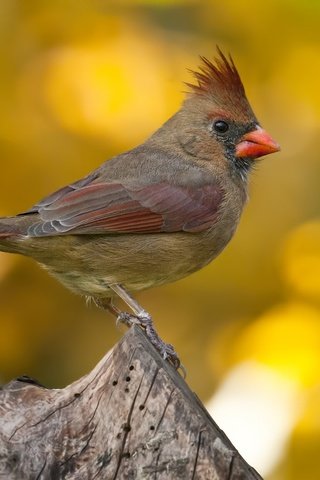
x: 156, y: 213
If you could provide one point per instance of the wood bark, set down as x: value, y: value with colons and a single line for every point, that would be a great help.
x: 132, y: 417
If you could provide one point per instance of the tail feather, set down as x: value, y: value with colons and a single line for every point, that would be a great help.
x: 10, y: 226
x: 11, y: 229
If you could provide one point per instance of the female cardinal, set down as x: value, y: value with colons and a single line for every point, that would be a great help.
x: 156, y: 213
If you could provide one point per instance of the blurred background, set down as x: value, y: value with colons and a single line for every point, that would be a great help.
x: 82, y: 81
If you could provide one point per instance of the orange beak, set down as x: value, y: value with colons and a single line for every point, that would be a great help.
x: 255, y: 144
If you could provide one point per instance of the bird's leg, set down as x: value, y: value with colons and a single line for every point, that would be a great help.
x: 107, y: 304
x: 142, y: 318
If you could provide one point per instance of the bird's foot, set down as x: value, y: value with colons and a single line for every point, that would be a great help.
x: 144, y: 320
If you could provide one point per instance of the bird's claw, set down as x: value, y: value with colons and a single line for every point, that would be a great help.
x: 166, y: 350
x: 127, y: 319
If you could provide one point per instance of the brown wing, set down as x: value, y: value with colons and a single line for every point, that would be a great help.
x: 102, y: 208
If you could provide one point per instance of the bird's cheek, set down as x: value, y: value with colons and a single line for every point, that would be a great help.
x: 194, y: 145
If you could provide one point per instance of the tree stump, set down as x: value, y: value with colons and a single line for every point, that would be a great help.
x: 133, y: 417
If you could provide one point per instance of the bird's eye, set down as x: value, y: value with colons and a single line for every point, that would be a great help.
x: 221, y: 126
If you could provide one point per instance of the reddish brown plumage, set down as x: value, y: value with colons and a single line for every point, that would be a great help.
x: 221, y: 75
x: 220, y: 81
x: 115, y: 208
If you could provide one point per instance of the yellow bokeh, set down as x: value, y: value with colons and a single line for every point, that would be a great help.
x: 91, y: 89
x: 13, y: 345
x: 287, y: 339
x: 309, y: 423
x: 7, y: 262
x: 303, y: 68
x: 301, y: 259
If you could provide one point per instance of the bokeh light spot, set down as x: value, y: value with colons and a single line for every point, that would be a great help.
x: 287, y: 339
x: 301, y: 259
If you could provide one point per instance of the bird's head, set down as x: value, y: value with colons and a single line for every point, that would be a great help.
x: 217, y: 122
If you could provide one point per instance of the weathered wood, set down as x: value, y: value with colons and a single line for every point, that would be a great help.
x: 132, y: 417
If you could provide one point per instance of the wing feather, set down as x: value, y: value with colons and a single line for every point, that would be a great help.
x: 102, y: 208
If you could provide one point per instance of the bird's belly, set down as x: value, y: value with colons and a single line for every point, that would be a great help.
x: 88, y: 264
